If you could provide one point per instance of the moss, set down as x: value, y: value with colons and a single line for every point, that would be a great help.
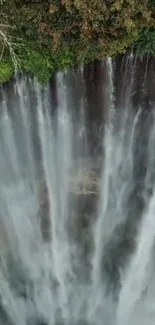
x: 37, y: 63
x: 6, y: 70
x: 41, y: 63
x: 30, y: 60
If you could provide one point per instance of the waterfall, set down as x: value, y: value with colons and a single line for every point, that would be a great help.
x: 77, y: 196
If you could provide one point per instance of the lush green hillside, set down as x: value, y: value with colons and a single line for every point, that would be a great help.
x: 41, y: 36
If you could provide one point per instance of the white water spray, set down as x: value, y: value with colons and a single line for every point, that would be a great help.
x: 62, y: 262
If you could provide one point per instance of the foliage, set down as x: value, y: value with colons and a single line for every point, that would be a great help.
x: 145, y: 44
x: 61, y: 33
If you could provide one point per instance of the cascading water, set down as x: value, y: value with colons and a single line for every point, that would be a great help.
x: 77, y: 197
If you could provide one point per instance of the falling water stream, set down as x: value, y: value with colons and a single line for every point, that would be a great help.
x: 77, y: 196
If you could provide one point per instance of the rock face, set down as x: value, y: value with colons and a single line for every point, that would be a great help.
x: 83, y: 193
x: 44, y: 213
x: 4, y: 317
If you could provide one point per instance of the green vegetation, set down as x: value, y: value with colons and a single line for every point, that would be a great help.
x: 43, y: 36
x: 145, y: 44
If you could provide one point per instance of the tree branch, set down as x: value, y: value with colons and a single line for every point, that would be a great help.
x: 8, y: 41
